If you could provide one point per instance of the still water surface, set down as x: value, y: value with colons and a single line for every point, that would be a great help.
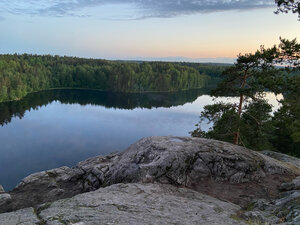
x: 58, y: 128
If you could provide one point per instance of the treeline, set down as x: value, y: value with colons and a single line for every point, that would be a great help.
x: 213, y: 70
x: 23, y: 74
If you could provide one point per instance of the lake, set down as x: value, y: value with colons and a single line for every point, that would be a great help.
x: 57, y: 128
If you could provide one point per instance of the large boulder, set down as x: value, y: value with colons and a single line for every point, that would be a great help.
x: 219, y: 169
x: 216, y: 168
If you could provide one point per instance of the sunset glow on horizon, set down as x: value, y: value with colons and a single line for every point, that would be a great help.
x: 141, y: 31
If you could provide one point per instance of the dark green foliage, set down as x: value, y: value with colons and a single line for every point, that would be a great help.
x: 289, y: 53
x: 255, y: 124
x: 248, y: 74
x: 285, y: 6
x: 286, y: 120
x: 213, y: 70
x: 250, y: 120
x: 224, y: 119
x: 22, y: 74
x: 244, y: 80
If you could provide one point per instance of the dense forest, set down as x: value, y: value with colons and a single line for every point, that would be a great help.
x: 23, y: 74
x: 213, y: 70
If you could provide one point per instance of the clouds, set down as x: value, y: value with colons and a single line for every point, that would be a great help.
x: 143, y: 8
x: 170, y: 8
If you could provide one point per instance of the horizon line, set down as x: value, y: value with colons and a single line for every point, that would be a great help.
x: 179, y: 59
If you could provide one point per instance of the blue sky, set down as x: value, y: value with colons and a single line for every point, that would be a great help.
x: 142, y: 29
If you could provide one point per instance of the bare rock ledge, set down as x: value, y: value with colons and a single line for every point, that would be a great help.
x: 158, y: 180
x: 129, y: 204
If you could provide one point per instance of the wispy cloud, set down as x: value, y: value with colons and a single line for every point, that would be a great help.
x: 145, y: 8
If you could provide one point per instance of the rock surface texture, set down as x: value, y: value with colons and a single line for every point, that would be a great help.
x: 290, y: 160
x: 156, y: 179
x: 130, y: 204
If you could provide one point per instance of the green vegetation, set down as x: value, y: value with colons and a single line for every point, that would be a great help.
x: 249, y: 121
x: 286, y: 121
x: 213, y: 70
x: 23, y: 74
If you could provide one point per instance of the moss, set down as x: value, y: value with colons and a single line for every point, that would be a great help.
x: 37, y: 212
x: 254, y: 222
x: 250, y: 207
x: 60, y: 219
x: 236, y: 217
x: 43, y: 207
x: 218, y: 209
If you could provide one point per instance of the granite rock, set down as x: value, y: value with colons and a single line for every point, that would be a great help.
x: 132, y: 204
x: 215, y: 168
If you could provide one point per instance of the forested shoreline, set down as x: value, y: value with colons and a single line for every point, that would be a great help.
x: 23, y: 74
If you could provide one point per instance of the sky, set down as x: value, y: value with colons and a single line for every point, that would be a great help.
x: 173, y: 30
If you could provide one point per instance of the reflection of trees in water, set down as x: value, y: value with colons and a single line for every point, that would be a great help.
x: 33, y: 101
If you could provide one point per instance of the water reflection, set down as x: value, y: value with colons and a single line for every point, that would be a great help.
x: 60, y: 128
x: 33, y: 101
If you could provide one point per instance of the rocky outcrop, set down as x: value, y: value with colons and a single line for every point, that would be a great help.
x: 293, y: 185
x: 156, y: 204
x: 55, y: 184
x: 212, y: 167
x: 289, y: 160
x: 219, y: 169
x: 129, y: 204
x: 283, y: 210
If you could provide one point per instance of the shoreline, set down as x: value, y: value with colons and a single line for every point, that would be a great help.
x: 100, y: 90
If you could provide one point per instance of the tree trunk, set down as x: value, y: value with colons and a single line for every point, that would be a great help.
x: 240, y: 108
